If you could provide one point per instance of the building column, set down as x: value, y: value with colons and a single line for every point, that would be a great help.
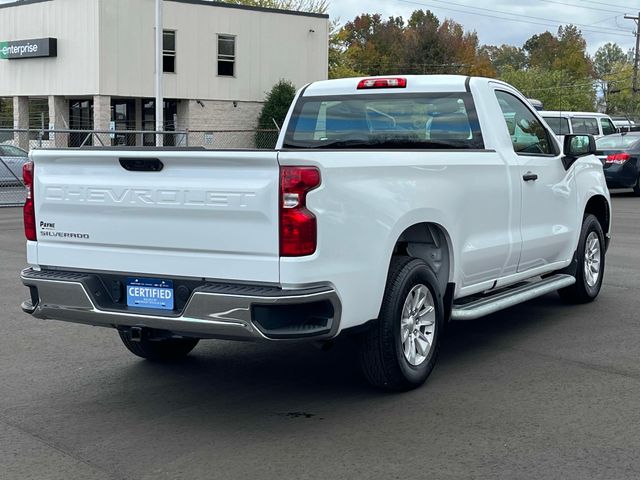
x: 58, y: 120
x: 102, y: 117
x: 21, y: 121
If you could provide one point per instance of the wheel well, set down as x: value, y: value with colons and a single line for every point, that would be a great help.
x: 599, y: 207
x: 429, y: 242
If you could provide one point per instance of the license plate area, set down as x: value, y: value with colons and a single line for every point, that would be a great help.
x: 151, y: 293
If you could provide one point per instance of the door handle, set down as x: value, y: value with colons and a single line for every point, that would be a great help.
x: 530, y: 176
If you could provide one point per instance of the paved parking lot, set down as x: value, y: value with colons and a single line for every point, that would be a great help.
x: 542, y: 390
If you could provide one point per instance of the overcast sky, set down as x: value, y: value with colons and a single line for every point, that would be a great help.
x: 601, y: 21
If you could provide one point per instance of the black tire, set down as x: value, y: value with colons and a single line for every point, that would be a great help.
x: 636, y: 187
x: 382, y: 357
x: 160, y: 350
x: 581, y: 291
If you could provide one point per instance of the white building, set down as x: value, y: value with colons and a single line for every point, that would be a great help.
x: 89, y: 64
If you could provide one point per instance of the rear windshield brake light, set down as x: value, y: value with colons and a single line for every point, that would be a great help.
x: 391, y: 82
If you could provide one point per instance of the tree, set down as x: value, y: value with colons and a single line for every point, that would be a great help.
x: 505, y: 56
x: 556, y: 89
x: 275, y: 109
x: 612, y: 68
x: 373, y: 46
x: 313, y: 6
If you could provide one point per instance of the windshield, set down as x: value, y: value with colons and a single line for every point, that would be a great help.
x: 432, y: 121
x: 617, y: 142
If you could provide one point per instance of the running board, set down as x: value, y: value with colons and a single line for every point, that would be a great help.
x: 510, y: 297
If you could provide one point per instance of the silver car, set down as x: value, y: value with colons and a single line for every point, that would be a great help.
x: 11, y: 161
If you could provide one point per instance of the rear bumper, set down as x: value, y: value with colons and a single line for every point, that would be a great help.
x: 237, y: 312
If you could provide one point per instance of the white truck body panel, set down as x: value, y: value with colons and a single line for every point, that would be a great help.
x: 205, y: 215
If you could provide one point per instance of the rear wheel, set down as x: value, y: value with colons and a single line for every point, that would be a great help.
x: 161, y: 349
x: 400, y: 350
x: 590, y: 264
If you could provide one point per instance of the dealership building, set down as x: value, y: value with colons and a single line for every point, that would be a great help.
x: 90, y: 64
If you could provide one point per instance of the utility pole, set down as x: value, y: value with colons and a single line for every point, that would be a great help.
x: 637, y: 52
x: 159, y: 99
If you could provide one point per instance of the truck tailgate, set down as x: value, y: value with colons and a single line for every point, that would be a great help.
x: 205, y: 214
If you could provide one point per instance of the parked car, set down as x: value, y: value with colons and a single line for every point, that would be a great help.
x: 563, y: 123
x: 11, y: 161
x: 620, y: 155
x: 389, y: 207
x: 623, y: 124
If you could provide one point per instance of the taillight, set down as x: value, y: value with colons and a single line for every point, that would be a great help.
x: 618, y: 158
x: 29, y: 207
x: 298, y: 230
x: 370, y: 83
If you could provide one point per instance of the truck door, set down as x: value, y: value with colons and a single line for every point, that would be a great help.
x: 549, y: 217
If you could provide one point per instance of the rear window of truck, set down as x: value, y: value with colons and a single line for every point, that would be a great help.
x: 379, y: 121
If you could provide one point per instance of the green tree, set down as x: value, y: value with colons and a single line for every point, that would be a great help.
x: 505, y: 56
x: 275, y: 109
x: 613, y: 71
x: 555, y: 88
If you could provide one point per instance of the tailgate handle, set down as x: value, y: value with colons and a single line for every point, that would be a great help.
x: 141, y: 164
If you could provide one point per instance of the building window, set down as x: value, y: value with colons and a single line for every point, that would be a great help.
x: 6, y: 112
x: 169, y: 51
x: 226, y: 55
x: 38, y: 118
x: 80, y: 118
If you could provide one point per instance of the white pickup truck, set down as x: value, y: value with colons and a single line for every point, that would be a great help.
x: 389, y: 207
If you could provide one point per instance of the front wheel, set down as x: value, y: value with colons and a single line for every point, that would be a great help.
x: 400, y: 350
x: 590, y: 264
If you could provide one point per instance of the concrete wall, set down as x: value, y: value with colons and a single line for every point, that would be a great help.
x: 74, y: 71
x: 269, y: 46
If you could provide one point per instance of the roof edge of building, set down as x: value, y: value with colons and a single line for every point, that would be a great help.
x: 208, y: 3
x: 19, y: 3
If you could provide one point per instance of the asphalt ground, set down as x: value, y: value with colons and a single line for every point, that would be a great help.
x: 540, y: 391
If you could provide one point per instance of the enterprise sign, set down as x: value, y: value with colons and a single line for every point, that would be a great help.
x: 37, y: 47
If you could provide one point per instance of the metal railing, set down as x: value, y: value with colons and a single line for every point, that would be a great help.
x: 28, y: 139
x: 12, y: 191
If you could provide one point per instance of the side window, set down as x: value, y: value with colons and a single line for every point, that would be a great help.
x: 585, y: 125
x: 226, y: 55
x: 528, y: 135
x: 169, y: 51
x: 608, y: 128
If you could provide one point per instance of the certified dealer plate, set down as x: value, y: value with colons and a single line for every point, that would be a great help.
x: 150, y: 293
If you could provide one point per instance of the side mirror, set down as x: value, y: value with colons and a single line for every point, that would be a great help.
x: 576, y: 146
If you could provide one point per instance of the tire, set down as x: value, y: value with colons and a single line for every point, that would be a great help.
x: 636, y: 187
x: 385, y: 359
x: 586, y: 288
x: 161, y: 350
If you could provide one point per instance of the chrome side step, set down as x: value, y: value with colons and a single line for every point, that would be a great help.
x: 510, y: 297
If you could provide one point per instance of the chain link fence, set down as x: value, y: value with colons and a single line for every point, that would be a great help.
x: 15, y: 143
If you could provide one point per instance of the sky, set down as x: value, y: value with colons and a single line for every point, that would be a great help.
x: 601, y: 21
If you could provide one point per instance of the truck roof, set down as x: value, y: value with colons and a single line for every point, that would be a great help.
x: 562, y: 113
x: 415, y: 83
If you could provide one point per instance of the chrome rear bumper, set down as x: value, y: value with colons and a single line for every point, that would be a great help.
x: 237, y: 312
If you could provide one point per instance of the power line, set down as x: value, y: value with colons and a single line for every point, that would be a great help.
x: 582, y: 6
x: 551, y: 23
x: 609, y: 4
